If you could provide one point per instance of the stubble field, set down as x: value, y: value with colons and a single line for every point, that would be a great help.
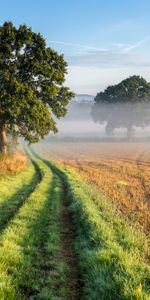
x: 120, y: 170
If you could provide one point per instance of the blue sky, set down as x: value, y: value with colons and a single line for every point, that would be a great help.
x: 103, y: 41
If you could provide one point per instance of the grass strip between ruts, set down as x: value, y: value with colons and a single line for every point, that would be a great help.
x: 31, y: 265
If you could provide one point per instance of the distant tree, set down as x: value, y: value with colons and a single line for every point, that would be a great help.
x: 124, y: 105
x: 31, y: 85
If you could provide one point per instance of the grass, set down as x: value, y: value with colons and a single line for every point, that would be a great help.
x: 126, y: 186
x: 14, y: 191
x: 12, y: 163
x: 113, y: 258
x: 31, y: 265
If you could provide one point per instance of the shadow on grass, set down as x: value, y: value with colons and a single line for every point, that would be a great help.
x: 46, y: 278
x: 9, y: 207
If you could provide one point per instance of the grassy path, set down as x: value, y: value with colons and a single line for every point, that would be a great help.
x: 113, y: 257
x: 59, y: 228
x: 33, y: 264
x: 67, y: 237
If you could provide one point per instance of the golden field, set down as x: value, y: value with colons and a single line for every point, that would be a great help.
x: 120, y: 170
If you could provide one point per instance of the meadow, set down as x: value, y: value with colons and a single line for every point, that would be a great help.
x: 63, y: 236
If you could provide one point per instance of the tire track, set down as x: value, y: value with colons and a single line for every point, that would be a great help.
x: 67, y: 238
x: 9, y: 210
x: 23, y: 248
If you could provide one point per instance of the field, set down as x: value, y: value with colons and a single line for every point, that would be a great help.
x: 120, y: 170
x: 74, y: 224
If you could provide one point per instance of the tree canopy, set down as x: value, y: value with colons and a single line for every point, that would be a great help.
x: 126, y: 104
x: 31, y: 84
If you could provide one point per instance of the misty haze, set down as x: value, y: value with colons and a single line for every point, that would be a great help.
x: 109, y: 120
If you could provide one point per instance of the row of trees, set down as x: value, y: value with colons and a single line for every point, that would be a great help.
x: 124, y: 105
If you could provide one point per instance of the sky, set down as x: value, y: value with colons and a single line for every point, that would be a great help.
x: 103, y: 41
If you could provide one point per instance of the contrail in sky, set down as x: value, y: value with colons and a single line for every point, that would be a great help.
x: 78, y: 45
x: 136, y: 45
x: 125, y: 50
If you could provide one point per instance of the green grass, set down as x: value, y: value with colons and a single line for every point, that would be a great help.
x: 113, y: 258
x: 31, y: 264
x: 9, y: 183
x: 14, y: 189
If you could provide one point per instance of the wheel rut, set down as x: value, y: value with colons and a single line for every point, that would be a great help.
x: 67, y: 233
x: 67, y: 239
x: 10, y: 212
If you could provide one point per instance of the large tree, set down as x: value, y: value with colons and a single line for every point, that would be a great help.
x: 126, y: 104
x: 31, y: 84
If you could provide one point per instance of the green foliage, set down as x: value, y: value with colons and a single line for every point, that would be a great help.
x: 31, y: 83
x: 132, y: 89
x: 126, y: 104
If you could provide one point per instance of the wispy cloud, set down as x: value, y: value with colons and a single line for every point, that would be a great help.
x: 108, y: 59
x: 78, y: 45
x: 120, y: 45
x: 126, y: 48
x: 95, y: 57
x: 136, y: 45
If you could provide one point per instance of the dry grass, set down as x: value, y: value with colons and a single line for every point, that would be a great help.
x: 125, y: 184
x: 121, y: 171
x: 12, y: 163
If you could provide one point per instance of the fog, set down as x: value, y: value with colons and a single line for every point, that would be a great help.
x: 84, y: 119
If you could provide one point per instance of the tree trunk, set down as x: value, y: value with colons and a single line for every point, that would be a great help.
x: 3, y: 140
